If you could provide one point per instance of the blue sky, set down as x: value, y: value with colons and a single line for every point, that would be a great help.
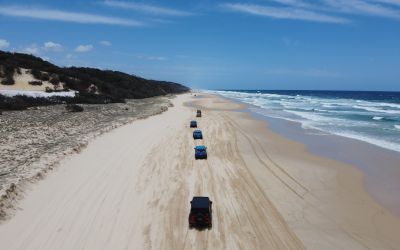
x: 259, y: 44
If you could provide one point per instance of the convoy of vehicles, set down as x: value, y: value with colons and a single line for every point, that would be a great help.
x: 200, y: 215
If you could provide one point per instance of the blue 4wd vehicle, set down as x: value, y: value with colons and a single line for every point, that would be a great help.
x: 193, y: 124
x: 200, y: 212
x: 197, y: 134
x: 200, y: 152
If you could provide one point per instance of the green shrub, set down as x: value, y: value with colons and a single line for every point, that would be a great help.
x: 74, y: 108
x: 35, y: 83
x: 44, y: 77
x: 8, y: 81
x: 36, y: 74
x: 54, y: 79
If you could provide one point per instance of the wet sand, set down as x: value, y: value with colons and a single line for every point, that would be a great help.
x: 380, y: 166
x: 131, y: 187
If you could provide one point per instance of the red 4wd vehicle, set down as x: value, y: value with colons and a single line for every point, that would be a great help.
x: 200, y: 212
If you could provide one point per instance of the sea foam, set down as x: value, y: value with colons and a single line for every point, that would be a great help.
x: 331, y: 112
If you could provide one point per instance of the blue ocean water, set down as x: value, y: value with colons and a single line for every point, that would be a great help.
x: 373, y: 117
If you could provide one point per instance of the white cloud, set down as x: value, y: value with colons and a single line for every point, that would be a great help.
x: 320, y: 11
x: 151, y: 9
x: 284, y: 13
x: 106, y: 43
x: 52, y: 46
x: 84, y: 48
x: 4, y: 44
x: 362, y: 8
x: 294, y: 3
x: 32, y: 49
x: 382, y: 8
x: 393, y: 2
x: 59, y: 15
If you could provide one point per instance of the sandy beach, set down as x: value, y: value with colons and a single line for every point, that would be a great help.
x: 34, y: 141
x: 130, y: 189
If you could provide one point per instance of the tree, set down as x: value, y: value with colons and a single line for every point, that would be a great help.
x: 35, y: 83
x: 8, y: 80
x: 54, y: 79
x: 36, y: 74
x: 45, y: 77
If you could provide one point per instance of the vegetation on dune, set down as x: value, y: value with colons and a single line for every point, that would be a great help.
x: 21, y: 102
x: 7, y: 80
x: 7, y: 74
x: 74, y: 108
x: 93, y: 85
x: 35, y: 83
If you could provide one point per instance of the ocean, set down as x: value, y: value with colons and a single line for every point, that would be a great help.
x: 372, y: 117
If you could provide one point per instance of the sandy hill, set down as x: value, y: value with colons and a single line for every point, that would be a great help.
x: 25, y: 81
x: 27, y: 72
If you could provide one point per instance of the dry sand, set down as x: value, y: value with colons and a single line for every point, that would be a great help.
x: 33, y: 141
x: 22, y: 83
x: 130, y: 189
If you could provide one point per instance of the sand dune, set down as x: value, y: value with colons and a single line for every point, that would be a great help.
x: 130, y: 189
x: 22, y: 83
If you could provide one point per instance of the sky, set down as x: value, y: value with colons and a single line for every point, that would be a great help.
x: 209, y: 44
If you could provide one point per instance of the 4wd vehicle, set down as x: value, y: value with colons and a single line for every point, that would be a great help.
x: 197, y: 134
x: 200, y: 152
x: 200, y: 212
x: 193, y: 124
x: 198, y: 114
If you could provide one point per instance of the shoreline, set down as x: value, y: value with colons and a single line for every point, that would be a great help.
x: 380, y: 165
x: 130, y: 189
x: 322, y: 113
x: 328, y: 188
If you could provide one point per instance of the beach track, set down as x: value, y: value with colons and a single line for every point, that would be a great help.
x: 130, y: 189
